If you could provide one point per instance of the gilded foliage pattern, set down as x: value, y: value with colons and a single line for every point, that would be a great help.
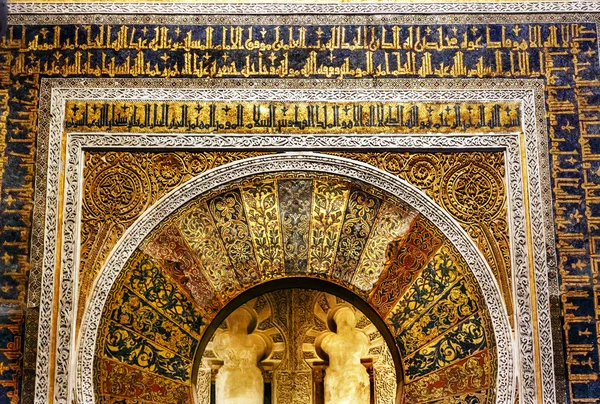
x: 134, y: 313
x: 460, y: 342
x: 385, y: 230
x: 228, y: 212
x: 360, y: 215
x: 236, y: 236
x: 199, y: 229
x: 477, y: 201
x: 120, y: 381
x: 329, y: 204
x: 167, y: 170
x: 460, y: 302
x: 150, y: 337
x: 128, y: 347
x: 150, y: 281
x: 262, y: 210
x: 169, y: 248
x: 471, y: 374
x: 295, y: 205
x: 441, y: 272
x: 405, y: 259
x: 140, y: 179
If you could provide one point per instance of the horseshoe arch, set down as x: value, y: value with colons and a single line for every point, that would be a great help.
x: 292, y: 215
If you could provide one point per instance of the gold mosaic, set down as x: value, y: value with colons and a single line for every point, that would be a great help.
x: 451, y: 332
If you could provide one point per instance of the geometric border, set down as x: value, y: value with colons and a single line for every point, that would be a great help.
x: 531, y: 147
x: 189, y: 8
x: 257, y: 16
x: 293, y: 161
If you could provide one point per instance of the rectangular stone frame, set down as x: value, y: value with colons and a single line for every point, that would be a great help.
x: 531, y: 225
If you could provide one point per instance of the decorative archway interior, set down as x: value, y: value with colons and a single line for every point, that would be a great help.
x: 120, y: 185
x: 293, y: 321
x: 286, y: 225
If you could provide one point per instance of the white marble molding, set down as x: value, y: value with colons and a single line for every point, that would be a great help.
x: 528, y: 147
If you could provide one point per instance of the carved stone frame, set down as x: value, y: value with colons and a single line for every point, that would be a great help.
x: 530, y: 215
x: 292, y: 161
x: 329, y: 7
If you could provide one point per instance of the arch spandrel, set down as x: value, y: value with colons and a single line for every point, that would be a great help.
x: 290, y: 223
x: 433, y: 173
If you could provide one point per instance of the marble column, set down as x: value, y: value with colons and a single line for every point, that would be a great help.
x: 239, y: 380
x: 346, y: 379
